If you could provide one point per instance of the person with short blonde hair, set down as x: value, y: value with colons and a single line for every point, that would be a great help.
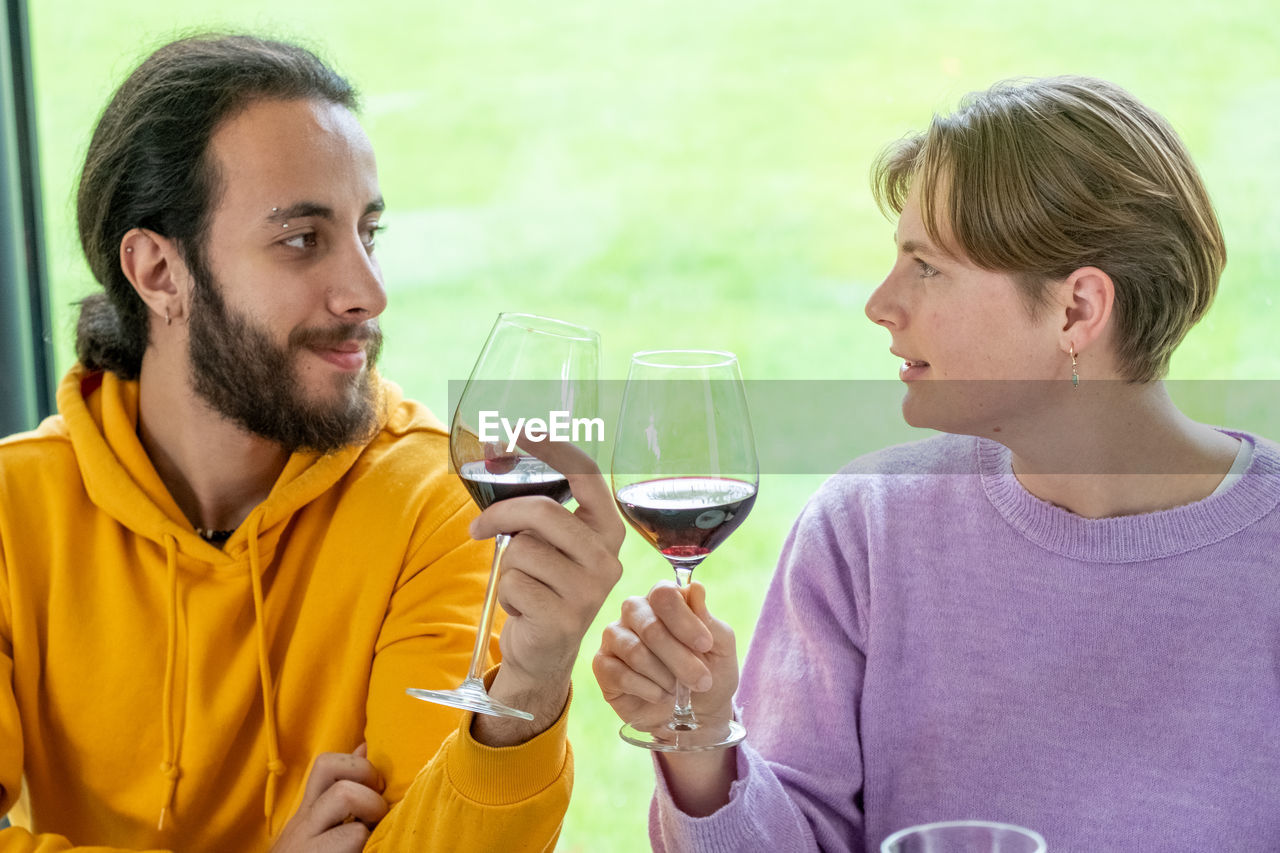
x: 1039, y: 178
x: 1063, y: 613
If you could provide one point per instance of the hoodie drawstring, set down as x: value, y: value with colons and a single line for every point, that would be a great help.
x: 275, y: 767
x: 169, y: 764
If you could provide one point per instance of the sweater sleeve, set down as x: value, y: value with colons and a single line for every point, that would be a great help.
x: 448, y: 791
x: 799, y: 785
x: 475, y: 797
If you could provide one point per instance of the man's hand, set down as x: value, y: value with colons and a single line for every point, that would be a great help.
x: 556, y: 573
x: 341, y: 805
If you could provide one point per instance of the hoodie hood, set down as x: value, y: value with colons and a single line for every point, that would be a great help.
x: 101, y: 416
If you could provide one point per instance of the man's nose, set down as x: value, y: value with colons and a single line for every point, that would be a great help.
x: 358, y: 291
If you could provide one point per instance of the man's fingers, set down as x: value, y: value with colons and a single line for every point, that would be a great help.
x: 595, y: 500
x: 558, y: 528
x: 531, y: 555
x: 330, y: 767
x: 521, y: 593
x: 595, y: 509
x: 347, y: 838
x: 346, y: 800
x: 564, y: 456
x: 583, y: 584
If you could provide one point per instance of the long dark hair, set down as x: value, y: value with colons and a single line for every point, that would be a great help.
x: 147, y: 167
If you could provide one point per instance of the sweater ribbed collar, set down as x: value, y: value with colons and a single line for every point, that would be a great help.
x: 1133, y: 538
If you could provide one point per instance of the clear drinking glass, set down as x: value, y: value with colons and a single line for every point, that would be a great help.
x: 964, y: 836
x: 530, y: 368
x: 685, y: 476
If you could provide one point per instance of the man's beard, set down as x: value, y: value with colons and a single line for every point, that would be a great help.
x: 247, y: 378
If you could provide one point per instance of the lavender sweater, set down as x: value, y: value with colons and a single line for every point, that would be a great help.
x: 939, y: 644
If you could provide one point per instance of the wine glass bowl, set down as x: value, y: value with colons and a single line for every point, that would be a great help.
x: 685, y: 476
x: 533, y: 374
x: 964, y: 836
x: 685, y: 518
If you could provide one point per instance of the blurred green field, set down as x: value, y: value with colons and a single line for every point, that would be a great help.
x: 680, y: 174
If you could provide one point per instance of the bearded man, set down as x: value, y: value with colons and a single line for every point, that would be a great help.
x: 228, y: 555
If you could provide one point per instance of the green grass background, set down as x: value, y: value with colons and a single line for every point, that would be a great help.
x: 689, y: 175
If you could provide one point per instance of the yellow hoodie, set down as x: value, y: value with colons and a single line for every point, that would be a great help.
x: 134, y: 656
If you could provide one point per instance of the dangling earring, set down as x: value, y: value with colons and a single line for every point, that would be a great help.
x: 1075, y: 377
x: 168, y: 321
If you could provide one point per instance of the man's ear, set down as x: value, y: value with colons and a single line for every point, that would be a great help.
x: 155, y: 268
x: 1088, y: 295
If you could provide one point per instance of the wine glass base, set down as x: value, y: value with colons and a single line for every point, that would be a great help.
x: 708, y: 734
x: 470, y: 696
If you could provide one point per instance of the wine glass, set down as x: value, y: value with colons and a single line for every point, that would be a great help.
x: 964, y: 836
x: 685, y: 476
x: 531, y: 395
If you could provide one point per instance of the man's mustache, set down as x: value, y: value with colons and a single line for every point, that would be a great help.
x: 330, y: 337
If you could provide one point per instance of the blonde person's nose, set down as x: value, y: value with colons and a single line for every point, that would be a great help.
x: 884, y: 308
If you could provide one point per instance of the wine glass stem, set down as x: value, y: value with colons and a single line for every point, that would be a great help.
x: 478, y: 654
x: 682, y: 716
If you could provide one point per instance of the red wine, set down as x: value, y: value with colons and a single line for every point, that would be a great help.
x: 528, y: 476
x: 686, y: 517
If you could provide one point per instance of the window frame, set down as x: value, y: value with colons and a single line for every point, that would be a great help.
x: 26, y: 351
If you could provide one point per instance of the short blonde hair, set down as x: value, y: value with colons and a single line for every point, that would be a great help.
x: 1038, y: 178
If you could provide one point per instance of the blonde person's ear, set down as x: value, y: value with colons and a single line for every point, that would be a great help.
x: 1087, y: 297
x: 155, y: 268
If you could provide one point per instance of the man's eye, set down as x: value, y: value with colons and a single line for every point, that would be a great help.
x: 926, y: 271
x: 304, y: 240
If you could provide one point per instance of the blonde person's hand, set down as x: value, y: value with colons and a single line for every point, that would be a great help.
x: 661, y: 638
x: 341, y: 805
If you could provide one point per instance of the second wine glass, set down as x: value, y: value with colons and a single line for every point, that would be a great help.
x: 685, y: 476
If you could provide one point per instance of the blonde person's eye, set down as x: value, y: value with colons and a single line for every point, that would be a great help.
x: 369, y: 238
x: 926, y: 271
